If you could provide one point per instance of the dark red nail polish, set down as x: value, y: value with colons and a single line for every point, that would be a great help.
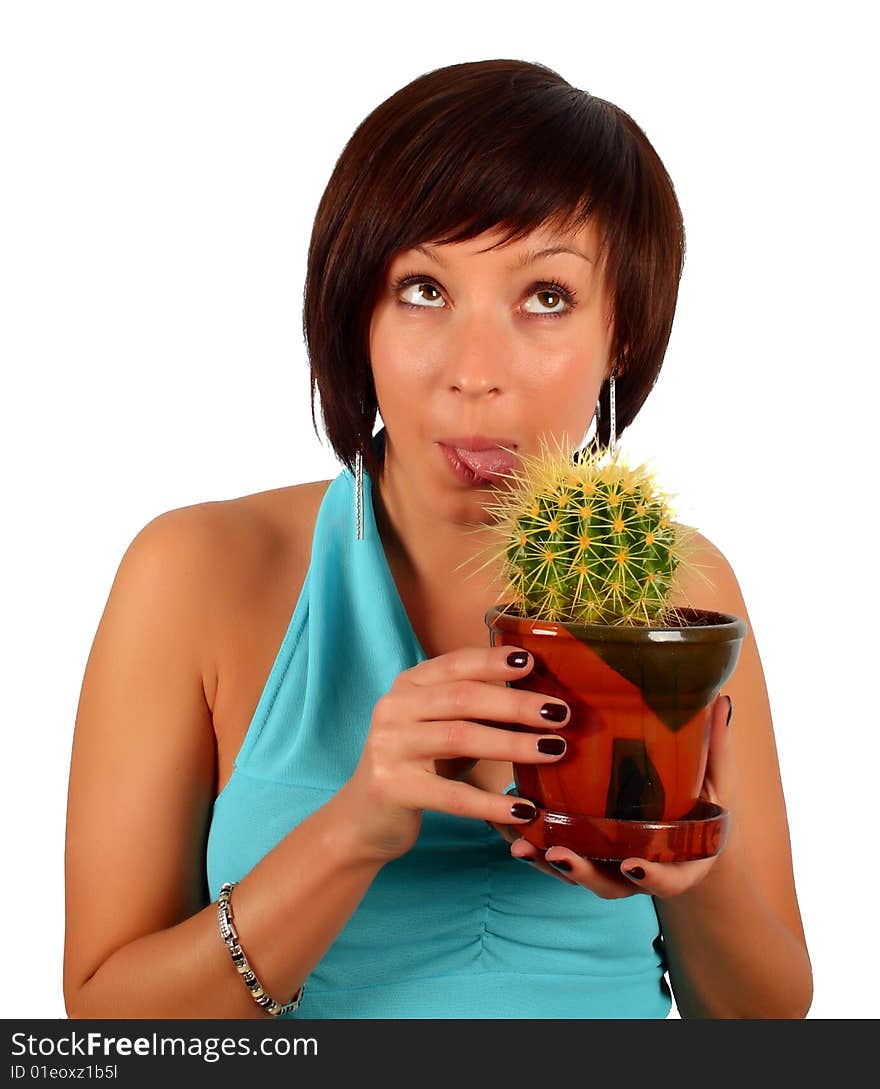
x: 518, y: 659
x: 636, y: 872
x: 523, y: 811
x: 562, y: 865
x: 729, y: 709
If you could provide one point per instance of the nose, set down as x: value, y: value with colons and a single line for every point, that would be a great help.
x: 477, y: 358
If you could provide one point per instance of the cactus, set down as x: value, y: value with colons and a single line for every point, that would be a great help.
x: 589, y: 542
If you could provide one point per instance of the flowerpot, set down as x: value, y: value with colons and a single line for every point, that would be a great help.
x: 638, y: 738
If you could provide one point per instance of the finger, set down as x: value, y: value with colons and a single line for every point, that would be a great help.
x: 425, y: 790
x: 443, y: 740
x: 478, y: 701
x: 471, y: 663
x: 523, y: 851
x: 665, y: 879
x: 598, y: 878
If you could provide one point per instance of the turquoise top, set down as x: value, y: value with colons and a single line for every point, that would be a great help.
x: 456, y: 927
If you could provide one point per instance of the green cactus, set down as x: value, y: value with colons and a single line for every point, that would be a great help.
x: 589, y: 542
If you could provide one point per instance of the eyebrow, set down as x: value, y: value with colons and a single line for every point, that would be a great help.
x: 527, y: 258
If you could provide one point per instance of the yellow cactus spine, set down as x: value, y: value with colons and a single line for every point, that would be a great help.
x: 593, y: 541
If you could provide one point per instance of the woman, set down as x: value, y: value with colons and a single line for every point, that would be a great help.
x: 292, y: 694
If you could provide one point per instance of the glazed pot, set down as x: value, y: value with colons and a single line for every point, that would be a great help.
x: 638, y: 738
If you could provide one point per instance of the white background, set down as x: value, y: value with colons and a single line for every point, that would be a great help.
x: 162, y: 164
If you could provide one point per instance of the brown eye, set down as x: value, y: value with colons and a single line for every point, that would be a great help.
x: 552, y: 301
x: 418, y: 293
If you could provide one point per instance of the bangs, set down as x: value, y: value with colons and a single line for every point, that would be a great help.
x: 543, y: 155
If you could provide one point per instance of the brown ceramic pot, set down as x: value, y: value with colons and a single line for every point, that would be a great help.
x: 638, y: 738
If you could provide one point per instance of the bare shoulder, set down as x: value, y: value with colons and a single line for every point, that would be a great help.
x: 260, y: 519
x: 219, y: 539
x: 706, y: 579
x: 281, y: 515
x: 235, y: 552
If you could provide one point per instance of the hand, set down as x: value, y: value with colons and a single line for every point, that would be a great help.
x: 444, y: 709
x: 610, y: 880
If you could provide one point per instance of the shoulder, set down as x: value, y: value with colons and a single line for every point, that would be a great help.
x: 706, y: 579
x: 203, y: 538
x: 206, y: 560
x: 205, y: 571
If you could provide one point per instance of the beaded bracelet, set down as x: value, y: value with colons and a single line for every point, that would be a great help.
x: 230, y: 936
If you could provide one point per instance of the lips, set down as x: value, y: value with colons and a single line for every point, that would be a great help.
x: 486, y: 457
x: 486, y: 463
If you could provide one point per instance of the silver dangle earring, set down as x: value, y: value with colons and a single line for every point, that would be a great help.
x: 612, y: 443
x: 612, y: 402
x: 359, y: 496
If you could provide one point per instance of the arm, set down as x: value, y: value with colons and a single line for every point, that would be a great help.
x: 735, y: 942
x: 141, y: 939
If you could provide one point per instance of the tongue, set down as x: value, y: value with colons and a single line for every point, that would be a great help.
x: 487, y: 462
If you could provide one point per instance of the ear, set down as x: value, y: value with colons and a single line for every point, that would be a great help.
x: 617, y: 365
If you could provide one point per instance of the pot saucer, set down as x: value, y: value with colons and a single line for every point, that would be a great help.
x: 700, y: 834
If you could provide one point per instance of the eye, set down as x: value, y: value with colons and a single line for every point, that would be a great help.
x: 556, y: 293
x: 419, y: 283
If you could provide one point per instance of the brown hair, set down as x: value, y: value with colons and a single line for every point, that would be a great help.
x: 465, y: 149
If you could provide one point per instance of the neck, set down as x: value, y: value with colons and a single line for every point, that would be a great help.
x: 436, y: 552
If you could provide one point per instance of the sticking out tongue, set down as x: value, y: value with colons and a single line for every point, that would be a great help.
x: 487, y: 463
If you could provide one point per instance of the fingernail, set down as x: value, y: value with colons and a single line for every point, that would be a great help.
x: 562, y: 865
x: 729, y: 709
x: 552, y: 746
x: 637, y: 873
x: 523, y: 811
x: 555, y: 712
x: 518, y: 659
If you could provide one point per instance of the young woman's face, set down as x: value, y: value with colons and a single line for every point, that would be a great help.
x: 504, y: 345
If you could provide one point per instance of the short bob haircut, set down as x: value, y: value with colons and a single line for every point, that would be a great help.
x: 488, y: 145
